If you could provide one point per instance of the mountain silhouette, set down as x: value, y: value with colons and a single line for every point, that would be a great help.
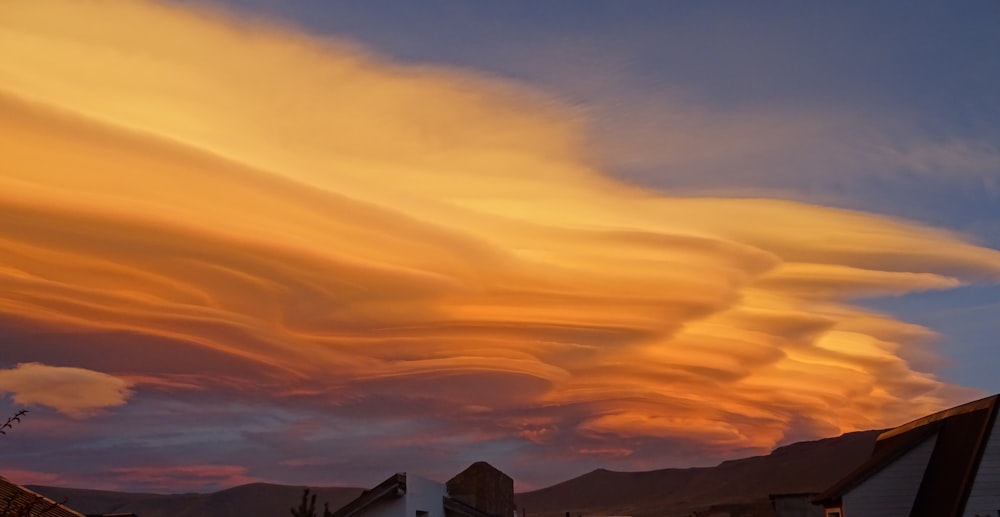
x: 739, y: 487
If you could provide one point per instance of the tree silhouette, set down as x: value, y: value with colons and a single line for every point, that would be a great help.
x: 25, y: 504
x: 9, y: 424
x: 307, y: 507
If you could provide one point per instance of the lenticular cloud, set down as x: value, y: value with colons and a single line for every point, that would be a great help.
x: 313, y: 224
x: 76, y: 392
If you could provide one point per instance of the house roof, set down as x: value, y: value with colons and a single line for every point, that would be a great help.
x: 456, y: 508
x: 15, y: 499
x: 484, y: 487
x: 395, y: 486
x: 960, y: 435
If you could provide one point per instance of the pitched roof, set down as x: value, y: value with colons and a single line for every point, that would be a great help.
x: 17, y: 500
x: 960, y: 435
x: 395, y: 486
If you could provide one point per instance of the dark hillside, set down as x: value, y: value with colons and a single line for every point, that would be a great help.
x: 800, y: 467
x: 253, y: 500
x: 737, y: 487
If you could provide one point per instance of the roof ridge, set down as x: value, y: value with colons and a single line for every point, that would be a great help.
x: 976, y: 405
x: 14, y: 492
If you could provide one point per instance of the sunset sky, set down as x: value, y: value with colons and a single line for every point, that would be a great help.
x: 317, y: 243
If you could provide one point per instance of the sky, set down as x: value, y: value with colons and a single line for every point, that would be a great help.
x: 317, y: 243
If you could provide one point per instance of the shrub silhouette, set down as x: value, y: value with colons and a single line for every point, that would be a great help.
x: 307, y: 507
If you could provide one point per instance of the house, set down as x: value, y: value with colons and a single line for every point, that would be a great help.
x: 18, y: 501
x: 942, y: 465
x: 478, y: 491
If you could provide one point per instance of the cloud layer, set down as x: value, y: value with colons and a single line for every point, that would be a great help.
x: 204, y: 205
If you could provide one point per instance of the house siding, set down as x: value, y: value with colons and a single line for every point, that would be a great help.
x: 424, y: 495
x: 984, y: 499
x: 891, y: 491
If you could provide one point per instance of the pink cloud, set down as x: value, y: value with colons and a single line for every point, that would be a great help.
x: 186, y: 477
x: 32, y: 477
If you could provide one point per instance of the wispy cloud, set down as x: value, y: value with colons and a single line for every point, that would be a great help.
x: 251, y: 214
x: 652, y: 125
x: 185, y: 478
x: 806, y: 151
x: 31, y: 477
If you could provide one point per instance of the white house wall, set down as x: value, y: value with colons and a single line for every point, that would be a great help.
x: 892, y: 490
x: 984, y: 499
x: 424, y: 495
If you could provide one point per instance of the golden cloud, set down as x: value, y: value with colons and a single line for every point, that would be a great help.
x: 76, y: 392
x: 345, y: 225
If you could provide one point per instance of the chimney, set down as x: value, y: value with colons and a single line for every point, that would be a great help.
x: 484, y: 487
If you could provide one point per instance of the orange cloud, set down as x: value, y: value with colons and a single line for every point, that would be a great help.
x: 74, y: 391
x: 339, y: 225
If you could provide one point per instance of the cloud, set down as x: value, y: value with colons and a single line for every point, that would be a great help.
x: 813, y: 152
x: 695, y: 139
x: 185, y: 478
x: 30, y: 477
x: 425, y: 257
x: 73, y: 391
